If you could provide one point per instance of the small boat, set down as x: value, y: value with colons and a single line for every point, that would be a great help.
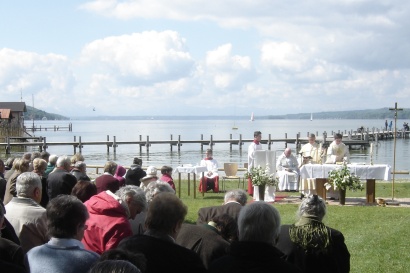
x: 252, y: 117
x: 234, y: 127
x: 311, y: 116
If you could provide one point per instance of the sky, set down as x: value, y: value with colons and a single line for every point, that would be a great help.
x: 204, y: 57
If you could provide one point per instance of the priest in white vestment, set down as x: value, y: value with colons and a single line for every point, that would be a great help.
x: 310, y: 154
x: 287, y: 171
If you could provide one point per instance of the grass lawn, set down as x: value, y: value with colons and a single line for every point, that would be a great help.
x: 378, y: 238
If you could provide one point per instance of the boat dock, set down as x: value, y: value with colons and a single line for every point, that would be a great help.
x: 350, y: 138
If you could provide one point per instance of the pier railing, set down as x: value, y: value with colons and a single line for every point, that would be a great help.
x: 351, y: 138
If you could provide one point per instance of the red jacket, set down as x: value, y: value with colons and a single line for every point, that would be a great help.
x: 108, y: 223
x: 167, y: 178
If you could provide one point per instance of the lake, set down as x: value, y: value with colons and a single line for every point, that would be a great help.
x: 160, y: 154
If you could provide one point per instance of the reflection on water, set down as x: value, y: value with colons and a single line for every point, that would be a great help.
x: 160, y: 154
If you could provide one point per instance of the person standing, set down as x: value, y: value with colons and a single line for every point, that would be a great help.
x: 254, y: 146
x: 310, y: 153
x: 337, y: 151
x: 211, y: 178
x: 61, y: 181
x: 390, y: 125
x: 386, y: 124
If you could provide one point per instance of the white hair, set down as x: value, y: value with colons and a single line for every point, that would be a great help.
x: 26, y: 183
x: 53, y: 159
x: 63, y: 161
x: 137, y: 194
x: 259, y: 222
x: 238, y: 195
x: 155, y: 187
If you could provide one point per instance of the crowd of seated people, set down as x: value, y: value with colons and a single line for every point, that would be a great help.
x: 123, y: 225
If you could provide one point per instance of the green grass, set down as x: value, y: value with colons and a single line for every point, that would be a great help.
x: 377, y: 237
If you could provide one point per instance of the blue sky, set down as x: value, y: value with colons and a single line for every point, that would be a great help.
x: 156, y: 57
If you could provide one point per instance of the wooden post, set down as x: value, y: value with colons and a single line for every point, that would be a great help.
x: 8, y: 148
x: 147, y: 144
x: 114, y: 145
x: 140, y: 143
x: 211, y: 142
x: 179, y: 143
x: 240, y: 142
x: 45, y: 144
x: 269, y: 142
x: 202, y: 145
x: 171, y: 143
x: 371, y: 191
x: 297, y: 139
x: 108, y: 146
x: 230, y: 143
x: 286, y: 142
x: 320, y: 188
x: 80, y: 146
x: 75, y: 145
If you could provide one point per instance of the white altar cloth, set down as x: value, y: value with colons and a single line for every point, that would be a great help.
x: 377, y: 171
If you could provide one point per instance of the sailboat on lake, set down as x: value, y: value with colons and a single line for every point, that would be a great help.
x: 252, y: 117
x: 311, y: 116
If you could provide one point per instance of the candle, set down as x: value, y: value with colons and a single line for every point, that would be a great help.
x: 320, y: 153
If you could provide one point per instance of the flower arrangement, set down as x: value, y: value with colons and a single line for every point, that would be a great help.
x: 343, y: 179
x: 262, y: 176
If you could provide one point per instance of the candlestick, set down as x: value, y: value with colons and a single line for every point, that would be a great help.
x: 371, y: 153
x: 320, y: 151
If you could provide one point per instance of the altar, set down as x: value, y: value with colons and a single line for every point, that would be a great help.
x: 366, y: 172
x: 188, y: 169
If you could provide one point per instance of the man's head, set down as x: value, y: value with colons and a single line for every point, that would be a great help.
x: 39, y: 166
x: 166, y: 169
x: 165, y: 214
x: 208, y: 153
x: 66, y: 217
x: 259, y: 222
x: 238, y: 195
x: 156, y: 187
x: 34, y: 156
x: 81, y: 166
x: 110, y: 167
x: 45, y: 155
x: 338, y: 138
x: 53, y: 159
x: 287, y: 152
x: 137, y: 161
x: 135, y: 199
x: 312, y: 138
x: 76, y: 157
x: 28, y: 185
x: 257, y: 135
x: 64, y: 162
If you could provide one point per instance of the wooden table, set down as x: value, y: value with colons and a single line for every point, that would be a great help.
x: 367, y: 172
x: 189, y: 169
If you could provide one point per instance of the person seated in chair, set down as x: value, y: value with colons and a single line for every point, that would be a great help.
x: 210, y: 180
x: 287, y: 170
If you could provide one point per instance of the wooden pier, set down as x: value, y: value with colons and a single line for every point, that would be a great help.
x: 35, y: 128
x: 350, y: 138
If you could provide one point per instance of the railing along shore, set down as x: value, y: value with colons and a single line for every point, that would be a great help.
x: 350, y: 138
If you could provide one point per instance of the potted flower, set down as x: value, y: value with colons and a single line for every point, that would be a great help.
x: 343, y: 179
x: 262, y: 177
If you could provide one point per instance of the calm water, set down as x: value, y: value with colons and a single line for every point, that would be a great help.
x: 160, y: 154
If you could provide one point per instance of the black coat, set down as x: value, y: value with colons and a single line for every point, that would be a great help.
x: 208, y: 213
x: 133, y: 175
x: 336, y: 260
x: 204, y: 240
x: 163, y: 256
x: 252, y: 257
x: 60, y: 182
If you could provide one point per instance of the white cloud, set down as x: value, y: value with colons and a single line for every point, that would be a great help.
x: 141, y: 57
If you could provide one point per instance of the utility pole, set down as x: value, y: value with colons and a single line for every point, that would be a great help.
x: 395, y: 109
